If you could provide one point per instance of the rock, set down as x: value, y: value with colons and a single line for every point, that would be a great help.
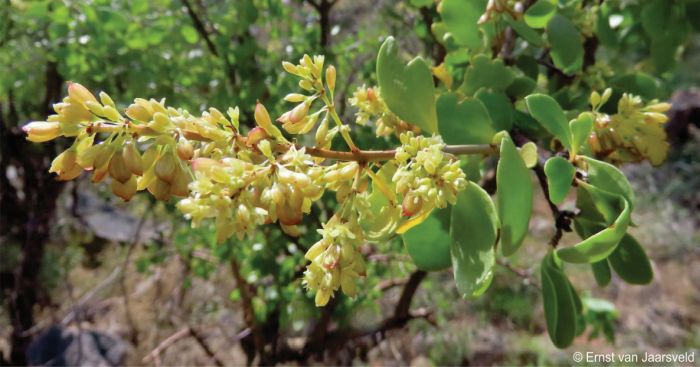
x: 60, y: 346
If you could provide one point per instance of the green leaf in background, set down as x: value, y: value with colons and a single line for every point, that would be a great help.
x: 600, y: 245
x: 464, y: 122
x: 539, y: 13
x: 603, y: 174
x: 630, y: 262
x: 601, y: 272
x: 560, y: 307
x: 607, y: 204
x: 408, y: 90
x: 474, y: 232
x: 189, y: 33
x: 471, y: 165
x: 524, y: 31
x: 529, y: 154
x: 567, y: 44
x: 428, y: 243
x: 581, y: 128
x: 560, y: 175
x: 640, y: 84
x: 514, y: 197
x: 550, y: 115
x: 586, y: 207
x: 499, y: 107
x: 461, y: 17
x: 485, y: 72
x: 521, y: 87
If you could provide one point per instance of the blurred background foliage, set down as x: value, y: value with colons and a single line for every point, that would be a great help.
x: 74, y: 255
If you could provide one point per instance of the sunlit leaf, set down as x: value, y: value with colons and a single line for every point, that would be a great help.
x: 474, y: 232
x: 407, y: 89
x: 514, y: 197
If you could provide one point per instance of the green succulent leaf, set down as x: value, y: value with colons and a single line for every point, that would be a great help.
x: 486, y: 72
x: 603, y: 174
x: 464, y: 122
x: 560, y: 306
x: 461, y: 17
x: 474, y: 232
x: 581, y: 128
x: 407, y: 89
x: 514, y: 197
x: 560, y: 174
x: 601, y: 272
x: 428, y: 243
x: 601, y: 244
x: 526, y: 32
x: 499, y: 106
x: 551, y: 116
x: 539, y: 14
x: 630, y: 262
x: 566, y: 44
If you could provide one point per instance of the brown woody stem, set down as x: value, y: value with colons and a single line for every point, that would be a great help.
x: 356, y: 155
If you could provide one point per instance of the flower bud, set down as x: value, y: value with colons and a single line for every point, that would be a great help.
x: 138, y: 113
x: 159, y: 189
x: 606, y: 95
x: 41, y: 131
x: 262, y: 118
x: 74, y: 112
x: 160, y: 122
x: 658, y: 107
x: 348, y: 171
x: 180, y: 186
x: 657, y: 117
x: 330, y: 77
x: 107, y: 100
x: 299, y: 112
x: 289, y: 216
x: 594, y: 99
x: 323, y: 295
x: 204, y: 165
x: 99, y: 173
x: 165, y: 168
x: 79, y: 94
x: 185, y: 150
x: 411, y: 205
x: 86, y: 157
x: 266, y: 149
x: 95, y: 108
x: 295, y: 97
x: 289, y: 67
x: 347, y: 284
x: 132, y: 159
x: 322, y: 132
x: 111, y: 113
x: 124, y: 190
x: 317, y: 249
x: 306, y: 85
x: 66, y: 166
x: 103, y: 156
x: 255, y: 135
x: 117, y: 167
x: 149, y: 157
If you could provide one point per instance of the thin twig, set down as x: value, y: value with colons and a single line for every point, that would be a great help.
x: 154, y: 355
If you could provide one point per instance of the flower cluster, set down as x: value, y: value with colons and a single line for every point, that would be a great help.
x: 335, y: 259
x: 371, y: 106
x: 426, y: 177
x: 635, y: 133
